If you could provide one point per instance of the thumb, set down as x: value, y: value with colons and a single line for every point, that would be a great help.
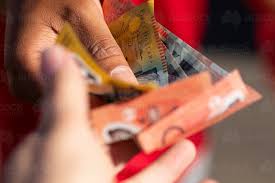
x: 66, y: 100
x: 168, y: 167
x: 69, y: 149
x: 96, y: 36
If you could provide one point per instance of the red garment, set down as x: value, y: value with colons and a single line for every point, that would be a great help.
x: 18, y: 119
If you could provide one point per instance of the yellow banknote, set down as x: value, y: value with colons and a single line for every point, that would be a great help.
x: 99, y: 81
x: 136, y: 34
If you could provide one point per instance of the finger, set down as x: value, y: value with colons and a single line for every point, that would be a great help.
x: 98, y: 4
x: 96, y: 36
x: 70, y: 146
x: 170, y: 166
x: 209, y: 181
x: 66, y: 101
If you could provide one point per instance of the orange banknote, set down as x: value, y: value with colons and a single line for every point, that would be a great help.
x: 121, y: 121
x: 213, y: 105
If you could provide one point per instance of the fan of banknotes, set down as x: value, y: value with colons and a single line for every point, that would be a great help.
x: 181, y: 92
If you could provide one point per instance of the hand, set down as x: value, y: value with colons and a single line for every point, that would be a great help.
x: 65, y: 148
x: 32, y: 26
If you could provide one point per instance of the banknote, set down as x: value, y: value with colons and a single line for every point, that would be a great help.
x: 187, y: 102
x: 100, y: 83
x: 113, y: 9
x: 199, y: 113
x: 121, y: 121
x: 190, y: 60
x: 175, y: 72
x: 136, y: 34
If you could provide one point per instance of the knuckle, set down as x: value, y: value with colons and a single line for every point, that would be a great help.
x: 103, y: 48
x: 100, y: 45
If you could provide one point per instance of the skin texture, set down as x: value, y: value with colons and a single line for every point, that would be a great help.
x: 32, y: 26
x: 64, y: 147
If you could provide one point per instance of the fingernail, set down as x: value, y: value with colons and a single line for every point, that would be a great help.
x: 124, y: 73
x: 52, y: 59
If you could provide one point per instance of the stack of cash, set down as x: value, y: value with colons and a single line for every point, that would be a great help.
x: 181, y: 92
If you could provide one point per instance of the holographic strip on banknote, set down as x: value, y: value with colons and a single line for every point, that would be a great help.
x: 190, y: 60
x: 175, y: 72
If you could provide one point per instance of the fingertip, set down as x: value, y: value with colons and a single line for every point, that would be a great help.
x: 188, y: 148
x: 179, y: 157
x: 52, y: 59
x: 57, y: 61
x: 65, y: 92
x: 124, y: 73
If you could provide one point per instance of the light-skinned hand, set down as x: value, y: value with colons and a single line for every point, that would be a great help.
x: 65, y: 149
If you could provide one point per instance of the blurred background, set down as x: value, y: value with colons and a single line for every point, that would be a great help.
x: 235, y: 34
x: 244, y: 145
